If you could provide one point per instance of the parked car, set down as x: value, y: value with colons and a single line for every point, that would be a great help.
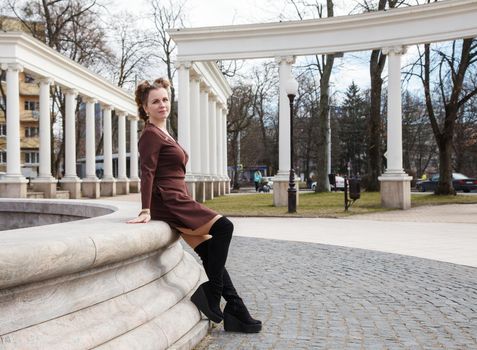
x: 339, y: 184
x: 460, y: 182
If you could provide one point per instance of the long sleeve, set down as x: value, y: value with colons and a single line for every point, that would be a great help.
x: 149, y: 148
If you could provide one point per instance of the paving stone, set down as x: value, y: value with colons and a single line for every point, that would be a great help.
x: 314, y: 296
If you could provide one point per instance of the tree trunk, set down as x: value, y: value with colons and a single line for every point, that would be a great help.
x: 444, y: 186
x: 375, y: 163
x: 322, y: 149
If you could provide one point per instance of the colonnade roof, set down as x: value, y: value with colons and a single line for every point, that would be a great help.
x: 440, y: 21
x: 42, y: 61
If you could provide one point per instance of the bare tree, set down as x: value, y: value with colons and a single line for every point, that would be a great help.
x: 167, y: 17
x: 324, y: 65
x: 239, y: 119
x: 451, y: 67
x: 265, y: 86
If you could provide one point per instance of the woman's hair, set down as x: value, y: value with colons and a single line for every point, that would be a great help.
x: 142, y: 94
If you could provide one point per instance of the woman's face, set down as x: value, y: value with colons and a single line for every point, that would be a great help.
x: 158, y: 105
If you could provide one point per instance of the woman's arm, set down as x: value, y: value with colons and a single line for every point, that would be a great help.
x: 149, y: 148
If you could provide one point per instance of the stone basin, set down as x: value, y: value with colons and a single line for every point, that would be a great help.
x: 76, y: 276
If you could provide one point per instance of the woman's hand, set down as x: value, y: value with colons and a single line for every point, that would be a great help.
x: 143, y: 218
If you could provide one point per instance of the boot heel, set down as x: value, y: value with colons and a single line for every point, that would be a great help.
x: 233, y: 324
x: 200, y: 301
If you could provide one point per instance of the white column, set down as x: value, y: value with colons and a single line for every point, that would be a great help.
x: 212, y: 136
x: 90, y: 140
x: 133, y: 150
x: 184, y: 108
x: 45, y: 130
x: 394, y: 127
x: 122, y: 146
x: 285, y: 65
x: 195, y: 108
x: 395, y: 184
x: 204, y: 129
x: 70, y: 134
x: 107, y: 144
x: 224, y: 143
x: 218, y: 118
x: 13, y: 122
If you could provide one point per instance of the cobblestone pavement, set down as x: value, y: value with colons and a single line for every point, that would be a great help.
x: 314, y: 296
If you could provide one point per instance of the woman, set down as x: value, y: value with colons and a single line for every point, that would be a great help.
x: 165, y: 197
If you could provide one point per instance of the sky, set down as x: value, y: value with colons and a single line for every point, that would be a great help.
x: 204, y: 13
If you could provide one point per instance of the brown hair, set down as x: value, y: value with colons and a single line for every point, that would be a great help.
x: 142, y: 94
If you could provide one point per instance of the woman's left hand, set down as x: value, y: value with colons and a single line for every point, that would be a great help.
x: 141, y: 219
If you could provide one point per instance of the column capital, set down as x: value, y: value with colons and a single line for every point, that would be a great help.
x: 396, y: 50
x: 87, y: 99
x: 132, y: 118
x: 285, y: 59
x: 106, y: 106
x: 46, y: 81
x: 183, y: 64
x: 121, y: 114
x: 12, y: 66
x: 68, y: 91
x: 213, y: 97
x: 195, y: 76
x: 204, y: 87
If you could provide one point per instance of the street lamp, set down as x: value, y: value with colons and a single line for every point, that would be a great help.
x: 291, y: 90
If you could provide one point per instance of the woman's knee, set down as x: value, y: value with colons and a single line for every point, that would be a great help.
x: 223, y: 226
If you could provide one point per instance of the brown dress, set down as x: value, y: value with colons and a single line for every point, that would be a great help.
x: 163, y: 187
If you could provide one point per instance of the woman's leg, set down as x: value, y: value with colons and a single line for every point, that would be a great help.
x: 207, y: 296
x: 236, y: 315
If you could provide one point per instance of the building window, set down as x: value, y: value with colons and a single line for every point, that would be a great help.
x: 3, y: 157
x: 32, y: 106
x: 32, y: 131
x: 32, y: 157
x: 3, y: 129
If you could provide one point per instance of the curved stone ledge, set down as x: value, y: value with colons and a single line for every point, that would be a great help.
x: 97, y: 282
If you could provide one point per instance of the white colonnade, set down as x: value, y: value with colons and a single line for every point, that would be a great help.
x: 427, y: 23
x: 202, y: 96
x: 49, y: 68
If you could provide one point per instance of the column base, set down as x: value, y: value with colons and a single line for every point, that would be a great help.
x: 395, y: 191
x: 217, y: 192
x: 209, y: 189
x: 227, y: 186
x: 72, y: 185
x: 280, y: 193
x: 46, y: 185
x: 135, y: 185
x: 108, y: 187
x: 122, y: 186
x: 13, y: 187
x: 90, y: 188
x: 200, y: 191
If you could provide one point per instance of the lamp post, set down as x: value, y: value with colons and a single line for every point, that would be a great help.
x: 291, y: 90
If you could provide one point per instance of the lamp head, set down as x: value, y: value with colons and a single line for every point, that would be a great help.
x: 291, y: 87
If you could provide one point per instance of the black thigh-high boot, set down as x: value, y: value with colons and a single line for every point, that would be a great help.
x: 236, y: 315
x: 207, y: 296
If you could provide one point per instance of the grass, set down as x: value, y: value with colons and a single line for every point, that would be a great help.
x: 330, y: 204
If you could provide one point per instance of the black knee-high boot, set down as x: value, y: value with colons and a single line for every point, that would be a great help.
x: 236, y: 315
x: 207, y: 296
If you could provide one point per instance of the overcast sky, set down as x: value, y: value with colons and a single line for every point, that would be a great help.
x: 204, y: 13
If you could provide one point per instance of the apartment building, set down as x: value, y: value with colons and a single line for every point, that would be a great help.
x: 29, y: 126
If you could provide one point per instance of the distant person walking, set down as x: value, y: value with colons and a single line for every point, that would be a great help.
x: 165, y: 197
x: 257, y: 178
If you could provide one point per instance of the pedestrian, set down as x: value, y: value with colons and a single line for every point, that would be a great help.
x: 165, y: 197
x: 257, y: 178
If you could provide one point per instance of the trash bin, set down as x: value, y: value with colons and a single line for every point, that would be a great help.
x: 332, y: 180
x: 354, y: 188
